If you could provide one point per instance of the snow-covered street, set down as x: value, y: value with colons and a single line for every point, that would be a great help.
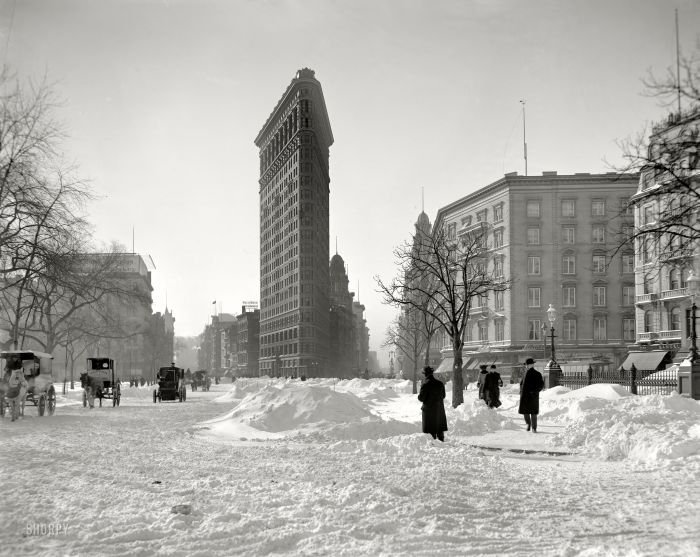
x: 274, y: 467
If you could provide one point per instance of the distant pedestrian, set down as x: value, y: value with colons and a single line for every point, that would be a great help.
x: 492, y: 388
x: 432, y: 394
x: 530, y: 386
x: 480, y: 380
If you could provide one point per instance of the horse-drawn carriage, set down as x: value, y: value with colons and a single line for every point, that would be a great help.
x: 99, y: 381
x: 26, y: 378
x: 201, y: 380
x: 171, y: 384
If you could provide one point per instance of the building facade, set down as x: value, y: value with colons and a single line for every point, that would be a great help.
x: 666, y: 195
x: 342, y: 330
x: 294, y: 183
x: 552, y: 236
x: 248, y: 342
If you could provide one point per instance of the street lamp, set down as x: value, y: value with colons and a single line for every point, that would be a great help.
x: 693, y: 283
x: 552, y: 317
x: 544, y: 341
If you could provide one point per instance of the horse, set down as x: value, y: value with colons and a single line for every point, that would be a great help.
x: 15, y: 388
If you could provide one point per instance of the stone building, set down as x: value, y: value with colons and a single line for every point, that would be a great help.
x: 342, y: 326
x: 666, y: 195
x: 248, y: 342
x: 552, y: 236
x: 294, y: 183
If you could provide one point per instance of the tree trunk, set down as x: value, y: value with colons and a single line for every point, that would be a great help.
x: 457, y: 379
x: 415, y: 372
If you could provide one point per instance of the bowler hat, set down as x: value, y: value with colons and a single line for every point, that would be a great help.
x: 427, y: 370
x: 529, y: 361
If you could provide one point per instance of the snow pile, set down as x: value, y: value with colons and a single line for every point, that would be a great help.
x: 648, y: 430
x: 475, y: 418
x: 243, y: 387
x: 305, y: 409
x: 560, y: 404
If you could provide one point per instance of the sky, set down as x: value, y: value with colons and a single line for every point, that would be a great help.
x: 162, y: 100
x: 325, y: 467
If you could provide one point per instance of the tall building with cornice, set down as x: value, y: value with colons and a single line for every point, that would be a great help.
x: 294, y: 183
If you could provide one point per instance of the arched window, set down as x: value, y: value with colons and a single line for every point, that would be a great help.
x: 648, y: 284
x: 648, y: 321
x: 674, y: 279
x: 675, y: 319
x: 685, y: 273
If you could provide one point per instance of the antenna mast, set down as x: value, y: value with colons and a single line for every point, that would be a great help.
x: 678, y: 66
x: 524, y: 141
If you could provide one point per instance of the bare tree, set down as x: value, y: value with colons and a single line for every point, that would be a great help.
x: 440, y: 276
x: 667, y: 156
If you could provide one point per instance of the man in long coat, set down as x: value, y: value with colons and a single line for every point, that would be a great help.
x: 492, y: 388
x: 432, y: 394
x: 530, y: 386
x: 481, y: 380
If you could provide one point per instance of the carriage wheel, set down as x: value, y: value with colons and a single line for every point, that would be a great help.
x: 184, y: 394
x: 2, y: 406
x: 84, y: 399
x: 154, y: 397
x: 51, y: 401
x: 42, y: 405
x: 119, y: 398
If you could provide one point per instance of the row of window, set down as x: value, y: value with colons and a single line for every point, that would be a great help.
x: 534, y: 296
x: 568, y: 264
x: 568, y: 235
x: 568, y: 208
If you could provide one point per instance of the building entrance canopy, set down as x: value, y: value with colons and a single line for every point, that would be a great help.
x: 646, y: 361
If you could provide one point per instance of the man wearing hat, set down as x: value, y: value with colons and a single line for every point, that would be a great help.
x: 530, y: 386
x: 432, y: 394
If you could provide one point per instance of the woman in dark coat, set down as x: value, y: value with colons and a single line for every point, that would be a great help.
x: 432, y: 394
x: 530, y: 386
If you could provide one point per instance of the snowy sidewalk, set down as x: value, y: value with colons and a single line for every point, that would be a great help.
x: 521, y: 441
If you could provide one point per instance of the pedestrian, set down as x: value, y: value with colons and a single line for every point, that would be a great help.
x: 530, y: 386
x: 492, y: 388
x: 432, y: 394
x: 480, y: 380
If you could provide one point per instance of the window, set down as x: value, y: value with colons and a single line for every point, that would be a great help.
x: 498, y: 267
x: 568, y: 265
x: 483, y: 332
x: 627, y: 263
x: 648, y: 321
x: 533, y: 236
x: 628, y: 332
x: 498, y: 238
x: 675, y: 319
x: 533, y: 265
x: 627, y: 232
x: 628, y: 296
x: 599, y: 295
x: 648, y: 214
x: 674, y: 279
x: 569, y: 329
x: 499, y: 300
x: 598, y: 263
x: 568, y: 208
x: 648, y: 284
x: 468, y: 333
x: 568, y: 296
x: 534, y: 328
x: 498, y: 213
x: 466, y: 221
x: 598, y: 235
x: 598, y: 208
x: 600, y: 328
x: 625, y: 206
x: 452, y: 231
x: 533, y: 208
x: 533, y: 297
x: 500, y: 330
x: 568, y: 235
x: 481, y: 216
x: 685, y: 274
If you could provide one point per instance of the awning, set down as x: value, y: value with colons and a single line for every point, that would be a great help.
x: 445, y: 365
x: 646, y: 361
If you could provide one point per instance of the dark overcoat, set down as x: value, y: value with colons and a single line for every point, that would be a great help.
x: 432, y: 394
x: 480, y: 382
x: 530, y: 386
x: 492, y: 390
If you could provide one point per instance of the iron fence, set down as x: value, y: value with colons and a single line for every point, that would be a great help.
x: 636, y: 381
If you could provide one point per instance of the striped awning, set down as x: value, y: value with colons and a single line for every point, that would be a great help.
x: 646, y: 361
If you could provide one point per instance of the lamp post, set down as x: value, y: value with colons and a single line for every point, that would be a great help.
x: 693, y: 283
x: 552, y: 316
x: 544, y: 341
